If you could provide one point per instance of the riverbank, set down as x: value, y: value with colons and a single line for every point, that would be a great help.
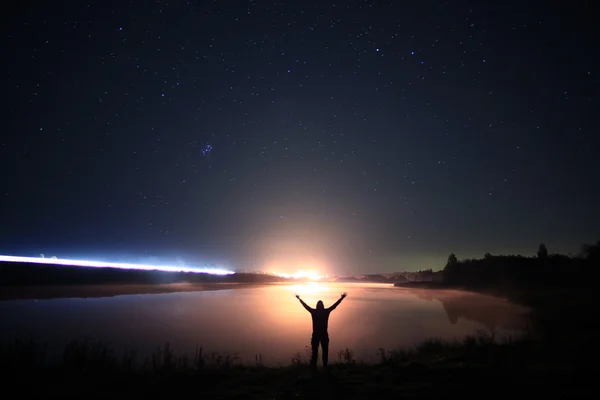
x: 41, y: 292
x: 90, y: 290
x: 478, y: 365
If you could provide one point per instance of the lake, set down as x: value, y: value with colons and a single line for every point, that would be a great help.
x: 266, y: 320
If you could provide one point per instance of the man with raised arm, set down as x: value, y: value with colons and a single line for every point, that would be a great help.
x: 320, y: 318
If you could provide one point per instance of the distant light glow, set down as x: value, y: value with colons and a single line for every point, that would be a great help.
x: 105, y: 264
x: 311, y: 275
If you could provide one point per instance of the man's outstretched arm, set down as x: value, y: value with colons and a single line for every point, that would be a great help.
x: 337, y: 303
x: 304, y: 304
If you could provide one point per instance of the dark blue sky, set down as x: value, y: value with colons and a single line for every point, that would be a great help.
x: 351, y: 135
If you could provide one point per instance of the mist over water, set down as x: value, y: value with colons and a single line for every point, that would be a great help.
x: 266, y: 320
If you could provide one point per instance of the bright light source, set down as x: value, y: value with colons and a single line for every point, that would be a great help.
x: 311, y: 275
x: 102, y: 264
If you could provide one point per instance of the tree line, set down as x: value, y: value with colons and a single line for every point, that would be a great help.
x: 542, y: 270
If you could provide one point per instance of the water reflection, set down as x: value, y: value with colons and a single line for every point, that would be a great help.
x: 491, y: 312
x: 266, y: 320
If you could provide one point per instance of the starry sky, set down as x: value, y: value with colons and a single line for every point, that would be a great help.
x: 349, y: 136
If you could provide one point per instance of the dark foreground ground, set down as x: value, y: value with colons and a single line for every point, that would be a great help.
x: 344, y: 382
x: 477, y: 367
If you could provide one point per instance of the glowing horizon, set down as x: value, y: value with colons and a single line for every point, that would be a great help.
x: 107, y: 264
x: 309, y: 288
x: 311, y: 275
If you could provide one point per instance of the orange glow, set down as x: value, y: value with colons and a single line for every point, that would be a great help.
x: 311, y: 275
x: 302, y: 267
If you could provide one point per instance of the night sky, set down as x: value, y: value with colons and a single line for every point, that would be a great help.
x: 346, y: 136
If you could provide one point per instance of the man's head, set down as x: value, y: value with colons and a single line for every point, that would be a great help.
x: 320, y: 305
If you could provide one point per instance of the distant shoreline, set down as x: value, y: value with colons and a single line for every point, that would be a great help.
x: 45, y: 292
x: 90, y: 290
x: 423, y: 285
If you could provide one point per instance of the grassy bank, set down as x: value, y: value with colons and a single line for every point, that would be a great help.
x: 435, y: 367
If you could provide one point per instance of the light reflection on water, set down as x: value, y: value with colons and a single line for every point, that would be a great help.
x: 267, y: 320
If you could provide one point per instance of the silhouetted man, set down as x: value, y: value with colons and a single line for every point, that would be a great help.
x: 320, y: 317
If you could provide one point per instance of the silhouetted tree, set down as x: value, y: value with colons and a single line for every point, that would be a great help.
x: 452, y: 260
x: 542, y: 252
x: 487, y: 255
x: 591, y: 252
